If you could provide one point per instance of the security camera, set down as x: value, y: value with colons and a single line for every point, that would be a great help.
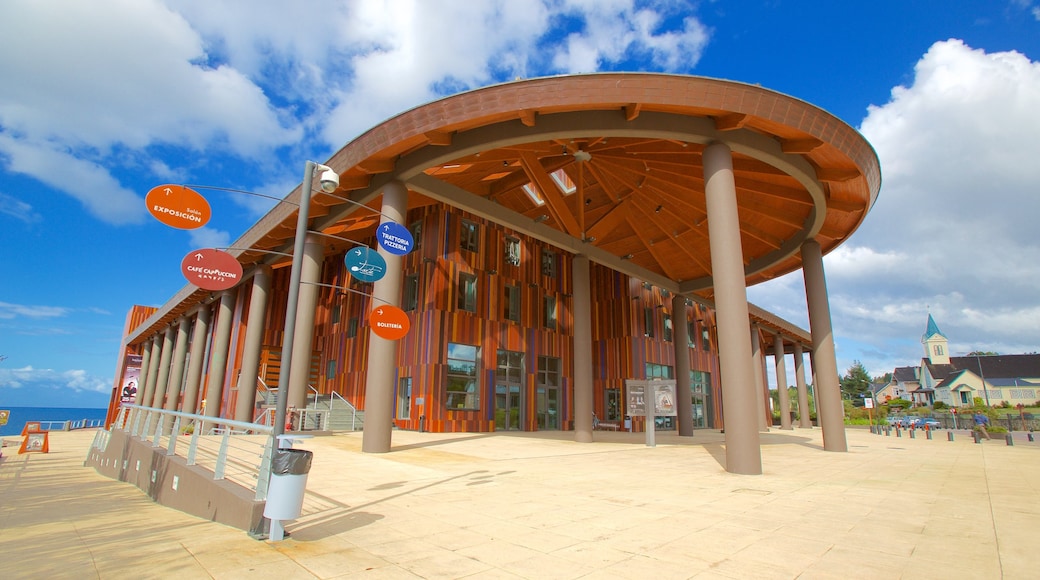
x: 329, y: 181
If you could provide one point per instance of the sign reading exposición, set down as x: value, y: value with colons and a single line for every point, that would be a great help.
x: 178, y: 206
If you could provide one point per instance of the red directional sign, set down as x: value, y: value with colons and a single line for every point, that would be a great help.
x: 178, y: 206
x: 389, y: 322
x: 211, y: 269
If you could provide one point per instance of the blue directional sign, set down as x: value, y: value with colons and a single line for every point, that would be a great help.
x: 394, y: 238
x: 365, y: 264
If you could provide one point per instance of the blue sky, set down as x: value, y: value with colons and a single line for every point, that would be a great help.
x: 101, y: 101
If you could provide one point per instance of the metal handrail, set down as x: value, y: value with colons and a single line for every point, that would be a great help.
x: 233, y: 450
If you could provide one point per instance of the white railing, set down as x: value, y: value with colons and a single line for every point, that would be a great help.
x: 233, y: 450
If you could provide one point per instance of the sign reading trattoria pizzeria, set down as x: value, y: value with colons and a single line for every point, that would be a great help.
x: 211, y: 269
x: 389, y: 322
x: 394, y: 238
x: 178, y: 206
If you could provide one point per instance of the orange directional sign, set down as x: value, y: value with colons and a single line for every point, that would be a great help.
x: 178, y: 206
x: 211, y: 269
x: 389, y: 322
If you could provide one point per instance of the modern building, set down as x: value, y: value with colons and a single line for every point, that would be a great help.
x: 569, y: 234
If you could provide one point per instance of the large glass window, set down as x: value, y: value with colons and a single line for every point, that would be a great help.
x: 549, y: 371
x: 648, y: 322
x: 404, y: 398
x: 548, y: 263
x: 463, y: 386
x: 511, y: 308
x: 410, y: 301
x: 467, y: 292
x: 613, y: 412
x: 512, y: 251
x: 469, y: 236
x: 668, y: 328
x: 549, y: 312
x: 705, y: 338
x: 656, y: 371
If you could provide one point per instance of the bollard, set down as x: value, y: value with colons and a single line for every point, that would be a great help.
x: 888, y: 430
x: 1030, y: 435
x: 977, y: 436
x: 899, y: 432
x: 1009, y: 439
x: 912, y: 434
x: 949, y: 436
x: 928, y: 434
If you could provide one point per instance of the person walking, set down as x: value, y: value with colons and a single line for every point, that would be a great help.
x: 981, y: 422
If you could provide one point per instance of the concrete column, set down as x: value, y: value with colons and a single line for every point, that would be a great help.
x: 163, y: 378
x: 303, y: 341
x: 382, y: 353
x: 758, y: 362
x: 743, y: 453
x: 830, y: 411
x: 781, y: 382
x: 681, y: 336
x: 180, y: 352
x: 583, y: 396
x: 219, y: 354
x: 153, y: 371
x: 199, y: 337
x: 142, y: 379
x: 245, y: 408
x: 804, y: 421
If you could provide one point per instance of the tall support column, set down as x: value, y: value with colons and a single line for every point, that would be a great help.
x: 781, y: 382
x: 219, y: 355
x: 583, y: 395
x: 804, y: 421
x: 199, y: 337
x: 830, y: 412
x: 758, y: 361
x: 681, y: 336
x: 153, y: 371
x: 245, y: 407
x: 743, y: 453
x: 180, y: 352
x: 142, y: 381
x: 310, y: 275
x: 163, y: 378
x: 382, y: 353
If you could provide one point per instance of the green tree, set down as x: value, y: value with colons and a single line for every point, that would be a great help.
x: 855, y: 384
x: 883, y: 379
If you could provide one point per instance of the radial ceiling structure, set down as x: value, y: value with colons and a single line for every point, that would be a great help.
x: 606, y: 165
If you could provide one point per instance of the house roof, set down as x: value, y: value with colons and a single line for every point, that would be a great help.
x: 905, y: 374
x: 990, y: 367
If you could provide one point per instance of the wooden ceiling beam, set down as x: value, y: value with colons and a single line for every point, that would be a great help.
x: 550, y: 193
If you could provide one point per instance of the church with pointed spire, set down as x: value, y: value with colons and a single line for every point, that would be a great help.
x: 958, y: 381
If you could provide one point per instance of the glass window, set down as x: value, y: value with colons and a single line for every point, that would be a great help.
x: 352, y: 327
x: 512, y: 251
x: 548, y: 263
x: 335, y: 313
x: 467, y: 292
x: 668, y: 328
x: 330, y: 369
x: 463, y: 386
x: 469, y: 236
x: 549, y: 371
x: 549, y: 313
x: 690, y: 334
x: 648, y: 322
x: 613, y: 412
x: 404, y: 398
x: 416, y: 230
x: 705, y: 339
x: 656, y: 371
x: 510, y: 367
x: 410, y: 301
x: 512, y: 303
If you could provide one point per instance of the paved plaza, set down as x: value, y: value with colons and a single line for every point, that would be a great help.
x: 539, y: 505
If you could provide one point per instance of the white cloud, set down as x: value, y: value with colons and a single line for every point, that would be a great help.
x: 209, y: 238
x: 9, y: 311
x: 37, y: 379
x: 18, y: 209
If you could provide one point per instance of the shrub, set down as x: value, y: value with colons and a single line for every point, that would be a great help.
x: 939, y: 405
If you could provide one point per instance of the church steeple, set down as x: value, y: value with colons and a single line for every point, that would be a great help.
x: 936, y: 345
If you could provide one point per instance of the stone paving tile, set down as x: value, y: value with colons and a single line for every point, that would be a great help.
x: 542, y: 506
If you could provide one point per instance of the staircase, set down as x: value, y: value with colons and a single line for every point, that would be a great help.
x: 326, y: 412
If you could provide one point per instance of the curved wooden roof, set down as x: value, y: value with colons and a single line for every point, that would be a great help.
x: 608, y: 165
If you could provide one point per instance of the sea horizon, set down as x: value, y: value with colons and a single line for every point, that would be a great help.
x: 21, y: 415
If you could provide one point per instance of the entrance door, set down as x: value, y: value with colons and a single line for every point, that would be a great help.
x: 509, y: 400
x: 548, y: 408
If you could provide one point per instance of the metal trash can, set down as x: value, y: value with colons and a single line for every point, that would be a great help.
x: 289, y: 469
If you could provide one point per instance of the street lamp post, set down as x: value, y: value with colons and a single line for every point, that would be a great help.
x: 329, y: 182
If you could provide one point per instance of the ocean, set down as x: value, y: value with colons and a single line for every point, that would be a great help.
x: 20, y: 415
